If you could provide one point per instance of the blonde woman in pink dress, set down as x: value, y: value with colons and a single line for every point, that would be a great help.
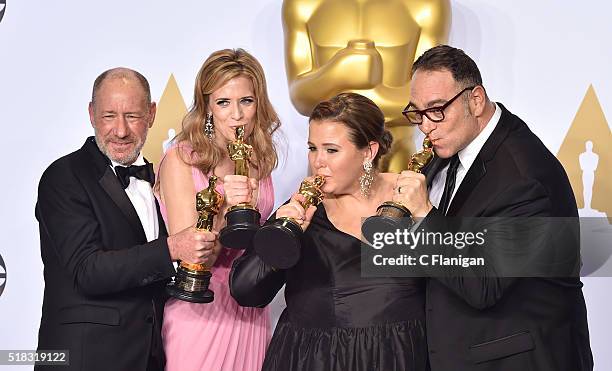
x: 230, y: 91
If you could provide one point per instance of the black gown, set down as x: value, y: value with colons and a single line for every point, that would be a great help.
x: 335, y: 319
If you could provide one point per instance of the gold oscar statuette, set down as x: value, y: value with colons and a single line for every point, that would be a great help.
x: 278, y: 243
x: 361, y: 46
x: 192, y: 279
x: 392, y: 215
x: 242, y: 219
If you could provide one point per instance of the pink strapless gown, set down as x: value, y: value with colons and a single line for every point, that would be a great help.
x: 221, y: 335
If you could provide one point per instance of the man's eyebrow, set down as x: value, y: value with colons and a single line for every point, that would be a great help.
x: 436, y: 102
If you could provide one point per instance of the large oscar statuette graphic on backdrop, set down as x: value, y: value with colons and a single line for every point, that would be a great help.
x: 361, y: 46
x: 242, y: 219
x: 278, y: 244
x: 586, y: 155
x: 192, y: 280
x: 392, y: 215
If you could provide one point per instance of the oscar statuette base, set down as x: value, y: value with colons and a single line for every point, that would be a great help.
x: 191, y: 285
x: 390, y: 216
x: 242, y: 224
x: 278, y: 244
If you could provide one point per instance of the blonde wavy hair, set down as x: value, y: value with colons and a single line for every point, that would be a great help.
x: 220, y: 67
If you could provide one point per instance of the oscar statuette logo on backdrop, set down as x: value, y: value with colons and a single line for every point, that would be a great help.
x: 171, y: 109
x: 2, y: 8
x: 586, y: 155
x: 2, y: 275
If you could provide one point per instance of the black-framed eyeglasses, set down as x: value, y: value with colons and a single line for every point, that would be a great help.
x: 434, y: 114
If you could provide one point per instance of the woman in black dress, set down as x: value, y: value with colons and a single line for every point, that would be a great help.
x: 335, y: 319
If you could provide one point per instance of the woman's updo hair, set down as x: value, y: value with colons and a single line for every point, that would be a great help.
x: 363, y: 118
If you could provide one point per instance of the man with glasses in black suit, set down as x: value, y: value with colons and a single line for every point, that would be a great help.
x: 489, y: 165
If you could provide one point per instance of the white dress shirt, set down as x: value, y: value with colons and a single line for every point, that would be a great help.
x: 466, y: 159
x: 140, y: 194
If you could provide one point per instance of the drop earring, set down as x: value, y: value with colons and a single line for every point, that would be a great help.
x: 209, y: 127
x: 366, y: 179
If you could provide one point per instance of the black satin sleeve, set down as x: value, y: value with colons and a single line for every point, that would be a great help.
x: 252, y: 282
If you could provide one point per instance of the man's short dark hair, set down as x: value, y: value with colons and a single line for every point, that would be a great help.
x: 444, y: 57
x: 121, y: 72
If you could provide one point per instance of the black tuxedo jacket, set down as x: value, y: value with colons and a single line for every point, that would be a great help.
x: 104, y: 284
x: 508, y: 324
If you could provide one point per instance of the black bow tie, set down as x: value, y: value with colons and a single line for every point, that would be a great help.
x: 144, y: 172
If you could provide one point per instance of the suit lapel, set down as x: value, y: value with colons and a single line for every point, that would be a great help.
x: 110, y: 184
x: 476, y: 171
x: 478, y: 168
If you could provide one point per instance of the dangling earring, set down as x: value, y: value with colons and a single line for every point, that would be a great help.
x: 209, y: 128
x: 366, y: 180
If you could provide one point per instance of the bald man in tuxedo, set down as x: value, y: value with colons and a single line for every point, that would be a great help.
x: 106, y: 253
